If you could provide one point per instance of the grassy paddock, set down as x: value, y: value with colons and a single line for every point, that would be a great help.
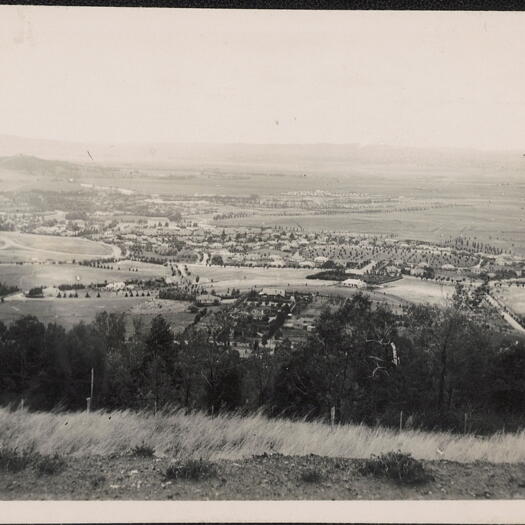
x: 178, y: 435
x: 26, y: 247
x: 419, y: 291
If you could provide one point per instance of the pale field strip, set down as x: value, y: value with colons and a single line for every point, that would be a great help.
x: 510, y: 320
x: 26, y: 247
x: 37, y: 274
x: 512, y: 296
x: 418, y: 291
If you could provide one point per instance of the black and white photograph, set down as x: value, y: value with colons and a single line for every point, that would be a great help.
x: 261, y: 255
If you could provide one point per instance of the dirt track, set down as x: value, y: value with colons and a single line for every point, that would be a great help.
x: 272, y: 477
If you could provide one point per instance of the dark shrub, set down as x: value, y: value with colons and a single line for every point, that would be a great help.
x: 192, y: 470
x: 35, y: 292
x: 97, y: 481
x: 13, y: 460
x: 143, y: 451
x: 49, y: 465
x: 312, y: 476
x: 398, y: 466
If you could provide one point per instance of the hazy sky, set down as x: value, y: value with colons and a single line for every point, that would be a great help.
x: 405, y: 78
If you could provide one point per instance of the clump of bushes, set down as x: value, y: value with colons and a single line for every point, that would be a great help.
x: 312, y: 475
x: 35, y: 292
x: 143, y: 451
x: 97, y: 481
x: 14, y: 460
x: 50, y: 465
x: 398, y: 466
x: 191, y: 470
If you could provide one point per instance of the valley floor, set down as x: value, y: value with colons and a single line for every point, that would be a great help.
x: 265, y: 477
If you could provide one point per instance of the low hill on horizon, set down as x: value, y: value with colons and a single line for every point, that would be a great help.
x: 31, y: 163
x: 293, y: 155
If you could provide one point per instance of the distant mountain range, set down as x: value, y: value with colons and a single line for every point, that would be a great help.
x: 293, y: 155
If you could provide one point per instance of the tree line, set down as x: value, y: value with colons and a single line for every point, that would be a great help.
x: 433, y: 368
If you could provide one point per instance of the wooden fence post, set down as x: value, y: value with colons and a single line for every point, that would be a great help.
x: 91, y: 385
x: 400, y: 421
x: 332, y: 418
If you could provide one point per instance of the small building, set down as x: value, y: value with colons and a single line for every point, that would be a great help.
x: 393, y: 270
x: 117, y: 285
x: 273, y: 292
x: 307, y: 264
x: 353, y: 283
x: 207, y: 300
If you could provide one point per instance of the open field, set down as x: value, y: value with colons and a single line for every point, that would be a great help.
x: 418, y: 291
x: 246, y: 278
x: 511, y: 296
x: 175, y: 312
x: 506, y: 316
x: 66, y: 312
x: 269, y: 174
x: 500, y: 224
x: 69, y: 312
x: 26, y: 276
x: 26, y: 247
x: 14, y: 180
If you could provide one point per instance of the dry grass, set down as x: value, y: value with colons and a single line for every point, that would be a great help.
x: 177, y: 435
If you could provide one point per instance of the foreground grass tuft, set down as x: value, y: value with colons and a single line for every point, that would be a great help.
x: 400, y: 467
x: 191, y: 470
x: 50, y: 465
x: 143, y: 451
x: 312, y: 475
x: 97, y: 481
x: 14, y: 460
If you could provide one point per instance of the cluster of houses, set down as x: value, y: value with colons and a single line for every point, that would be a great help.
x: 127, y: 220
x: 265, y: 318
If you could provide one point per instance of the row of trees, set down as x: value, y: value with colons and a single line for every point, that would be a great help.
x: 6, y: 289
x: 49, y: 366
x: 439, y: 366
